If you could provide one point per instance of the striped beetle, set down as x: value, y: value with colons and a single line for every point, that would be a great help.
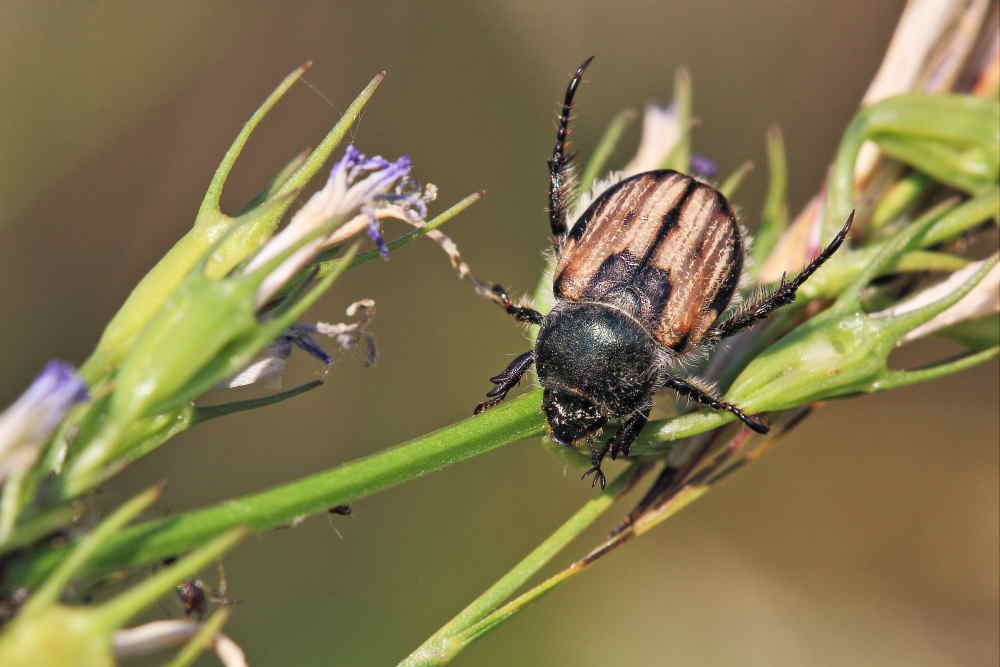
x: 643, y: 283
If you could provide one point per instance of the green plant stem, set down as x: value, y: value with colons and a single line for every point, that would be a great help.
x: 69, y: 567
x: 39, y: 526
x: 679, y: 158
x: 441, y: 647
x: 774, y: 219
x: 117, y: 611
x: 598, y: 161
x: 502, y: 614
x: 735, y: 179
x: 899, y: 198
x: 949, y: 120
x: 154, y: 540
x: 208, y: 412
x: 407, y: 239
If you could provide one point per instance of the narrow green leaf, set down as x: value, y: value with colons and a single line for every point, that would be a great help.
x: 596, y: 166
x: 210, y: 203
x: 407, y: 239
x: 277, y: 182
x: 679, y: 158
x: 774, y: 219
x: 79, y: 555
x: 152, y: 541
x: 966, y: 169
x: 208, y: 412
x: 322, y: 152
x: 960, y: 121
x: 37, y: 527
x: 899, y: 198
x: 894, y: 379
x: 117, y: 611
x: 977, y: 334
x: 441, y: 647
x: 735, y: 179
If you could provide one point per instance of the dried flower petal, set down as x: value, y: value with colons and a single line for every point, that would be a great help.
x: 661, y: 130
x: 272, y: 361
x: 158, y: 635
x: 356, y: 185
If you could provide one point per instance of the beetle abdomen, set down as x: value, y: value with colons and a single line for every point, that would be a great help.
x: 661, y: 246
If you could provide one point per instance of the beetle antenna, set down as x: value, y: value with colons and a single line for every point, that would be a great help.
x: 561, y: 176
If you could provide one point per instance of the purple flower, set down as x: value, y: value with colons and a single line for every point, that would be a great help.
x: 408, y: 200
x: 358, y: 188
x: 31, y: 420
x: 300, y: 335
x: 272, y: 361
x: 704, y: 166
x: 375, y: 233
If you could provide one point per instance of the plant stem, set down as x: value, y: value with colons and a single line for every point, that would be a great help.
x: 154, y: 540
x: 82, y: 552
x: 441, y: 647
x: 39, y: 526
x: 598, y: 162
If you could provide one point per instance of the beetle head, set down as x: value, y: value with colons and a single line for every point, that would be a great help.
x: 571, y: 415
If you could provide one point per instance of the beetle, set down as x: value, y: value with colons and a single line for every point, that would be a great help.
x: 644, y: 282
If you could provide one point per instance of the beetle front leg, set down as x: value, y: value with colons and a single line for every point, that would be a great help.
x: 520, y: 313
x: 619, y: 446
x: 687, y: 389
x: 506, y: 381
x: 597, y: 455
x: 627, y: 434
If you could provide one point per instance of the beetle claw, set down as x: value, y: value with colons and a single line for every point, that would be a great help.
x: 599, y: 477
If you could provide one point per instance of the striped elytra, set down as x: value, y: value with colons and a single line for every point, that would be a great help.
x: 661, y: 246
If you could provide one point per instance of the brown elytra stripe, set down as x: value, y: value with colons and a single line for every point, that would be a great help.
x: 668, y: 222
x: 630, y: 219
x: 701, y: 254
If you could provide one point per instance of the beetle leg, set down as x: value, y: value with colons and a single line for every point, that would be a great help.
x: 627, y: 434
x: 760, y: 308
x: 687, y: 389
x: 562, y: 180
x: 619, y: 446
x: 520, y: 313
x: 506, y: 381
x: 597, y: 455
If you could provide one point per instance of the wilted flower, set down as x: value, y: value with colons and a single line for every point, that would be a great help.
x: 272, y: 360
x: 661, y: 130
x: 27, y: 425
x: 361, y: 190
x: 157, y: 635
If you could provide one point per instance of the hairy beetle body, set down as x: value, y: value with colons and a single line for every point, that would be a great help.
x: 600, y: 354
x: 661, y: 246
x: 643, y: 279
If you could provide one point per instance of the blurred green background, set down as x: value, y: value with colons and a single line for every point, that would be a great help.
x: 869, y: 537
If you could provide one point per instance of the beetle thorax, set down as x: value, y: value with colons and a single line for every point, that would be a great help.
x: 599, y: 352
